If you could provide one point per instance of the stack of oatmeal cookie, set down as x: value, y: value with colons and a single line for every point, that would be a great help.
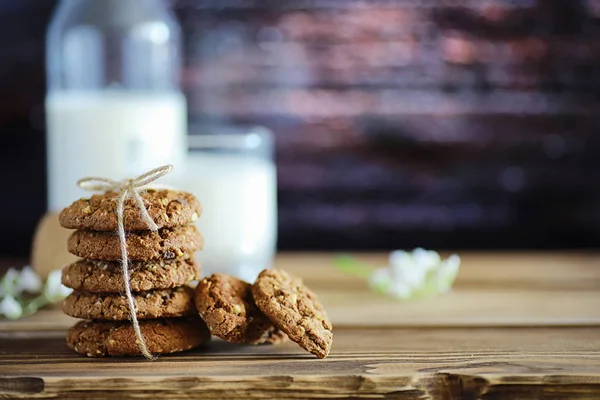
x: 161, y: 265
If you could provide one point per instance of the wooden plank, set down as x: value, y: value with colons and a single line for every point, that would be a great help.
x: 464, y: 308
x: 479, y: 270
x: 493, y: 289
x: 418, y: 363
x: 477, y: 342
x: 50, y: 318
x: 467, y: 308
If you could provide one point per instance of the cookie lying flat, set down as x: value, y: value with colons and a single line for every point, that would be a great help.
x: 106, y: 276
x: 167, y: 208
x: 141, y: 245
x: 226, y: 305
x: 294, y: 309
x: 113, y: 307
x: 100, y: 339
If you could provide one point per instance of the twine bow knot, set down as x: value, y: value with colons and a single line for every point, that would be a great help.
x: 125, y: 189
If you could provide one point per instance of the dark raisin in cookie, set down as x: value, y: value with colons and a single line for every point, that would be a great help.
x: 141, y: 245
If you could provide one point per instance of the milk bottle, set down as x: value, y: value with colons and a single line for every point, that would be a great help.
x: 114, y: 107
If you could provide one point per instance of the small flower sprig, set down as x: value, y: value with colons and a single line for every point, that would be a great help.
x: 409, y: 275
x: 22, y: 293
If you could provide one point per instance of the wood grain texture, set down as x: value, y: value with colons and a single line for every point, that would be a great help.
x: 517, y: 326
x: 507, y: 289
x: 413, y: 363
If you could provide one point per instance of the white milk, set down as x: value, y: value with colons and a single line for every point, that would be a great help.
x: 114, y: 134
x: 239, y: 219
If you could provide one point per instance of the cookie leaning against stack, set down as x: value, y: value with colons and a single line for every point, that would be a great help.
x: 226, y: 305
x: 275, y: 307
x: 161, y: 264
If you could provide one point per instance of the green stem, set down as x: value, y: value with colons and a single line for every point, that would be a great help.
x: 352, y: 266
x: 30, y: 307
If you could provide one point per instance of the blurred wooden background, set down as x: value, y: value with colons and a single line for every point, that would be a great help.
x: 470, y: 124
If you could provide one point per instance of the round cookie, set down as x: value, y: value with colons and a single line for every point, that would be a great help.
x: 113, y: 307
x: 226, y: 305
x: 141, y: 245
x: 167, y: 208
x: 294, y: 309
x: 100, y: 339
x: 106, y: 276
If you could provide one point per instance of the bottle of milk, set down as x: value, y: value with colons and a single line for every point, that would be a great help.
x: 114, y: 106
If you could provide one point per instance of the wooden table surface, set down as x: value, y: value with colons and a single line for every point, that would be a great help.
x: 516, y: 326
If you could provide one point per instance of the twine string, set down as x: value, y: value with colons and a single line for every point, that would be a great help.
x: 126, y: 189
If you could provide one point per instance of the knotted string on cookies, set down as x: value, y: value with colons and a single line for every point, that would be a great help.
x: 125, y: 189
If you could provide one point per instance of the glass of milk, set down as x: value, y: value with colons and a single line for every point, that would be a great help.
x: 234, y: 177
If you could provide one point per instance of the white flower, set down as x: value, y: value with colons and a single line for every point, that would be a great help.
x: 54, y: 290
x: 29, y: 281
x: 400, y: 289
x: 10, y: 308
x: 406, y: 270
x: 8, y: 284
x: 446, y: 273
x: 419, y: 273
x: 426, y: 259
x: 12, y: 275
x: 380, y: 278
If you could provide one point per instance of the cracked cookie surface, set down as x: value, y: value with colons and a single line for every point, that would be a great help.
x: 113, y: 307
x: 141, y: 245
x: 226, y: 305
x: 100, y: 339
x: 106, y: 276
x: 167, y: 208
x: 294, y: 309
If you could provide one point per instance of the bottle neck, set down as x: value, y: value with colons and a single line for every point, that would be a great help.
x: 106, y: 44
x: 117, y: 13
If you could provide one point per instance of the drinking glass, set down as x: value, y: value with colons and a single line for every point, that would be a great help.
x: 233, y: 174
